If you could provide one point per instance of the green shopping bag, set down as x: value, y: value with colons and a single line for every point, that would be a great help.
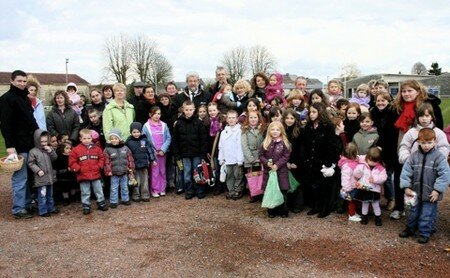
x: 272, y: 195
x: 293, y: 183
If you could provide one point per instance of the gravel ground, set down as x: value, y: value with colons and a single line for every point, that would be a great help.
x: 173, y: 237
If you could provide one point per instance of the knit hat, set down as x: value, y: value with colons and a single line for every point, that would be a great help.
x: 71, y: 84
x: 95, y: 136
x: 135, y: 125
x: 116, y: 132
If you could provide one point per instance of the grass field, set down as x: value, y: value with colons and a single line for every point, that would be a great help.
x: 2, y: 146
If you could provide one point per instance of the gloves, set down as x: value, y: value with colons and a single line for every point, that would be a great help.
x: 328, y: 171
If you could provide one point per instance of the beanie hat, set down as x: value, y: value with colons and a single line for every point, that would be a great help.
x: 135, y: 125
x: 95, y: 136
x: 71, y: 84
x: 116, y: 132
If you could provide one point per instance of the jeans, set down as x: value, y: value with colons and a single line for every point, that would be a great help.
x: 422, y: 216
x: 117, y: 181
x: 85, y: 187
x: 20, y: 190
x: 189, y: 164
x: 45, y: 199
x: 389, y: 192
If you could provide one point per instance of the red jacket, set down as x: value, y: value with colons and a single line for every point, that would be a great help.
x: 86, y: 162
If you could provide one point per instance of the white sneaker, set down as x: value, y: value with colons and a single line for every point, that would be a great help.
x: 162, y: 194
x: 354, y: 218
x: 396, y: 214
x: 155, y: 195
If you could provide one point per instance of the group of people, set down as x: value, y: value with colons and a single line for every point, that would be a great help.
x: 345, y: 153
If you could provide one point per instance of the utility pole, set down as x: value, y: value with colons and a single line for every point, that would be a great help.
x: 67, y: 70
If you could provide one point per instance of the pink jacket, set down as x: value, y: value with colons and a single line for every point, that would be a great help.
x: 378, y: 174
x: 348, y: 181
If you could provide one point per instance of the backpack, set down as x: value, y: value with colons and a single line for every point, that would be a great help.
x: 203, y: 174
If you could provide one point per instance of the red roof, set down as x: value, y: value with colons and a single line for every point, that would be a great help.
x: 47, y: 78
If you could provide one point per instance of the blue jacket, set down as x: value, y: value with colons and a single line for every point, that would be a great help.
x: 142, y: 149
x: 39, y: 115
x: 425, y: 172
x: 146, y: 130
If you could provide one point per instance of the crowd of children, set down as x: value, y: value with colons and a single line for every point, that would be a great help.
x: 342, y: 152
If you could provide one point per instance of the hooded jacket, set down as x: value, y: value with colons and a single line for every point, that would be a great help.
x: 347, y: 166
x: 39, y: 159
x: 364, y: 140
x: 378, y: 173
x: 17, y: 122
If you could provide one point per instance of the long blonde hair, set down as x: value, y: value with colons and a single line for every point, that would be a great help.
x: 268, y: 138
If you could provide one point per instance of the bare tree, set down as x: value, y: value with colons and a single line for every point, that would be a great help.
x: 143, y: 53
x: 161, y: 71
x: 350, y: 71
x: 260, y: 59
x: 419, y: 69
x: 118, y: 56
x: 235, y: 61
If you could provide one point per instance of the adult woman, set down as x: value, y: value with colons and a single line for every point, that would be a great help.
x: 107, y: 92
x: 412, y: 95
x: 118, y: 113
x: 144, y: 105
x: 33, y: 86
x: 62, y: 119
x: 259, y: 83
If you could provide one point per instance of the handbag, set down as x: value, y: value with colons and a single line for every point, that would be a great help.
x: 255, y: 181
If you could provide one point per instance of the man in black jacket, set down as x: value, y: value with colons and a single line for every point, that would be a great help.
x: 18, y: 125
x: 193, y: 92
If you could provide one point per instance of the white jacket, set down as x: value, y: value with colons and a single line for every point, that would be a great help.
x: 230, y: 146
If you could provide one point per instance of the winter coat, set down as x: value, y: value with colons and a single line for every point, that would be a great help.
x: 39, y: 159
x: 409, y: 142
x: 230, y: 146
x: 251, y: 140
x: 143, y: 108
x: 86, y: 162
x: 39, y: 114
x: 201, y: 97
x: 142, y: 150
x: 168, y: 115
x: 166, y: 135
x: 384, y: 121
x: 118, y: 160
x: 364, y: 140
x: 189, y: 138
x: 17, y: 122
x: 61, y: 166
x: 279, y: 153
x: 361, y: 101
x: 351, y: 128
x: 67, y: 122
x: 295, y: 149
x: 425, y: 172
x: 363, y: 172
x: 115, y: 116
x: 347, y: 166
x: 232, y: 101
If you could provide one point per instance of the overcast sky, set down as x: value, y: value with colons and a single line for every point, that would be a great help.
x: 310, y: 38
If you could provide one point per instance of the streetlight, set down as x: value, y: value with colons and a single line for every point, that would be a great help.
x: 67, y: 70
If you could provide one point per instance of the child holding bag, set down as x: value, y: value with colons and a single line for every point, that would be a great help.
x: 274, y: 155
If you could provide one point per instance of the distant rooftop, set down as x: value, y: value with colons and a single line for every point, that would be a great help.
x: 47, y: 78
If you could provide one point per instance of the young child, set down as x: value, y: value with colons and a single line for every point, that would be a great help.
x: 341, y: 106
x: 95, y: 123
x: 253, y: 104
x: 275, y: 88
x: 74, y: 97
x: 371, y: 175
x: 334, y: 89
x: 351, y: 122
x: 425, y: 174
x: 318, y: 96
x: 143, y: 154
x: 251, y: 139
x: 424, y: 118
x: 87, y: 160
x: 202, y: 113
x: 54, y: 141
x: 230, y: 154
x: 275, y: 114
x: 119, y: 164
x: 274, y: 156
x: 348, y: 162
x: 158, y: 134
x: 238, y: 97
x: 339, y: 129
x: 362, y: 97
x: 223, y: 94
x: 189, y: 142
x: 66, y: 180
x: 381, y: 86
x: 367, y: 136
x: 167, y: 113
x: 40, y: 162
x: 296, y: 101
x: 214, y: 129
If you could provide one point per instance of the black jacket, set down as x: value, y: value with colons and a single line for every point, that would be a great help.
x: 351, y: 128
x: 64, y: 123
x: 189, y: 138
x: 201, y: 98
x: 435, y: 101
x: 142, y: 109
x: 17, y: 122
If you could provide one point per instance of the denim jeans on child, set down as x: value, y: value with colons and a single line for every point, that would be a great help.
x: 20, y: 190
x: 85, y: 187
x: 389, y: 192
x: 45, y: 199
x: 422, y: 216
x: 116, y: 182
x: 189, y: 164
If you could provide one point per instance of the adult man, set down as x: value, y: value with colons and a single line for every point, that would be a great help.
x: 138, y: 88
x: 18, y: 125
x: 222, y: 79
x: 192, y: 92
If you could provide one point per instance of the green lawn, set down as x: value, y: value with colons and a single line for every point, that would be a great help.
x: 445, y: 107
x: 2, y: 146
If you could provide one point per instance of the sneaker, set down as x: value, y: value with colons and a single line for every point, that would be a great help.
x: 86, y: 211
x: 180, y: 191
x: 364, y: 219
x: 354, y: 218
x: 23, y: 215
x: 396, y: 215
x: 378, y: 221
x: 162, y: 194
x: 406, y: 233
x: 155, y: 195
x: 390, y: 205
x: 113, y: 205
x: 423, y: 239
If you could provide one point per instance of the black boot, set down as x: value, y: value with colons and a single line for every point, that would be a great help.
x: 102, y: 206
x: 364, y: 219
x: 378, y: 221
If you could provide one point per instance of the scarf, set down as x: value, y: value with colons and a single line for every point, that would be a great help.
x: 406, y: 119
x: 33, y: 102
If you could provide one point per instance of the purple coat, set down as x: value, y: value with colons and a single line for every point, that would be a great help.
x: 279, y: 153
